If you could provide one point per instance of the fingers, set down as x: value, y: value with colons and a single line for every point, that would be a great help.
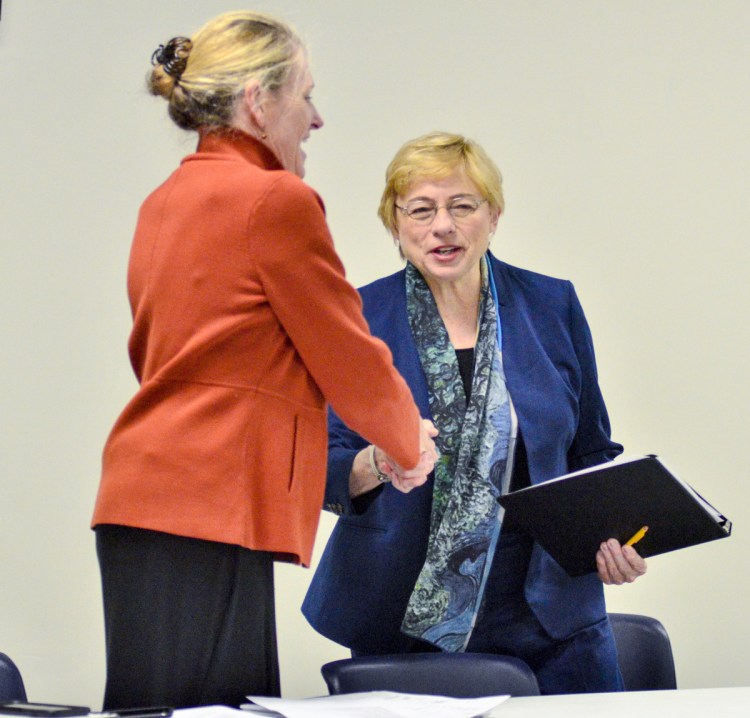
x: 406, y: 485
x: 407, y: 479
x: 617, y: 564
x: 427, y: 432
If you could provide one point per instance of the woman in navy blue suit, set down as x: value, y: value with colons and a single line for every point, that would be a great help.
x: 501, y: 359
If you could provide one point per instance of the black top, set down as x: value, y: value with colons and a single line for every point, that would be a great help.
x: 466, y: 369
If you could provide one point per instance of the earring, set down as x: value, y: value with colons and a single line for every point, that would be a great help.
x: 263, y: 136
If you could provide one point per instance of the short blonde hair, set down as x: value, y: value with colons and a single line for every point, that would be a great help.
x: 435, y: 156
x: 202, y: 77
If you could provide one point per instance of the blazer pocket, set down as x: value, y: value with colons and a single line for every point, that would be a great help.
x: 308, y: 449
x: 351, y: 523
x: 298, y: 448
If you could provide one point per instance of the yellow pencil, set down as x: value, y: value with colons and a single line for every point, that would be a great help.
x: 637, y: 536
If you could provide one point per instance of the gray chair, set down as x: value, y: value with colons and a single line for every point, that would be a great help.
x: 456, y: 675
x: 11, y: 683
x: 644, y: 652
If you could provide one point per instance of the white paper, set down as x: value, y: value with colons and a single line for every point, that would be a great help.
x: 374, y: 704
x: 210, y: 712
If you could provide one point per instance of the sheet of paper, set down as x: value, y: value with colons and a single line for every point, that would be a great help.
x: 375, y: 704
x: 210, y: 712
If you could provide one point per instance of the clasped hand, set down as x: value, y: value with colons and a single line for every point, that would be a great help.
x: 407, y: 479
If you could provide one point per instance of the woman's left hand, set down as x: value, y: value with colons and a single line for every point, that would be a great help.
x: 618, y: 564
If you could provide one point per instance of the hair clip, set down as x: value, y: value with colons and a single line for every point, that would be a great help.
x: 173, y: 56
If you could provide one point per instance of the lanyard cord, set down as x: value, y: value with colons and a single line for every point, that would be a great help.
x: 493, y: 289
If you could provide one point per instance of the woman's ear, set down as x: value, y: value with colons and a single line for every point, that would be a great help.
x: 494, y: 218
x: 253, y: 105
x: 397, y: 243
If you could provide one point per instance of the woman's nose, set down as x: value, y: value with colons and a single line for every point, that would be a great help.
x: 443, y: 221
x: 317, y: 120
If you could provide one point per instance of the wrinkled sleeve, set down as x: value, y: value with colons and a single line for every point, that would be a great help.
x: 343, y: 445
x: 321, y: 312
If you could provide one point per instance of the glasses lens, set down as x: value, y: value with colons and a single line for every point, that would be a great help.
x: 421, y: 211
x: 463, y: 206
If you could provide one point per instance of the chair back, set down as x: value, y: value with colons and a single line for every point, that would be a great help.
x: 11, y: 683
x: 456, y: 675
x: 644, y: 652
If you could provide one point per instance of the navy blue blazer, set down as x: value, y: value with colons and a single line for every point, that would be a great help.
x: 359, y: 592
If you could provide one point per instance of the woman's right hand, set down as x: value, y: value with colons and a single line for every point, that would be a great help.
x: 407, y: 479
x: 362, y: 479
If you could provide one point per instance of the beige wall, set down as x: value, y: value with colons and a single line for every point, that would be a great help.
x: 622, y: 132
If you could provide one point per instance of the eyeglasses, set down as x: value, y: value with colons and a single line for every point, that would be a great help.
x: 425, y: 210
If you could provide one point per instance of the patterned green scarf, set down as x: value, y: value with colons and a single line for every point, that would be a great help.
x: 474, y: 445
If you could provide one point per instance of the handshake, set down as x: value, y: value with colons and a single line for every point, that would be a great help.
x: 386, y: 469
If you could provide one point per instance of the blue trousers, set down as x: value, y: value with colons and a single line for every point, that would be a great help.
x: 585, y: 662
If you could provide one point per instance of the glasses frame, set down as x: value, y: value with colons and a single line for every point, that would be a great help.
x: 437, y: 207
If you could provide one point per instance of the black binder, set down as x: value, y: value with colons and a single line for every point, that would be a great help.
x: 572, y: 515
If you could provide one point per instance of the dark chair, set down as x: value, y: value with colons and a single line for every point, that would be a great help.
x: 644, y: 652
x: 456, y: 675
x: 11, y: 683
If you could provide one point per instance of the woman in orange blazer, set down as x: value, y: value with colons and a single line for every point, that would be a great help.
x: 244, y: 327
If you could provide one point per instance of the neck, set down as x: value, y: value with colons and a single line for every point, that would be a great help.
x: 458, y: 304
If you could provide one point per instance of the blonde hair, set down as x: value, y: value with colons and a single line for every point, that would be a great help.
x: 435, y: 156
x: 203, y: 76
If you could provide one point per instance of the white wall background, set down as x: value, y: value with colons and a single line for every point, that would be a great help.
x: 621, y: 128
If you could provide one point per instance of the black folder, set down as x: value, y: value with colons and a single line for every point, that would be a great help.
x: 572, y: 515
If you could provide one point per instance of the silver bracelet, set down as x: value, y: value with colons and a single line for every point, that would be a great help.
x: 379, y: 475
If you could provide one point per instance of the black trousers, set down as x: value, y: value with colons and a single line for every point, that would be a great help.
x: 187, y: 622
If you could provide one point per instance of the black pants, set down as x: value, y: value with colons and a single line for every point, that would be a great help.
x: 187, y: 622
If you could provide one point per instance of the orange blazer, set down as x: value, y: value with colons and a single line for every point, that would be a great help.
x: 244, y: 326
